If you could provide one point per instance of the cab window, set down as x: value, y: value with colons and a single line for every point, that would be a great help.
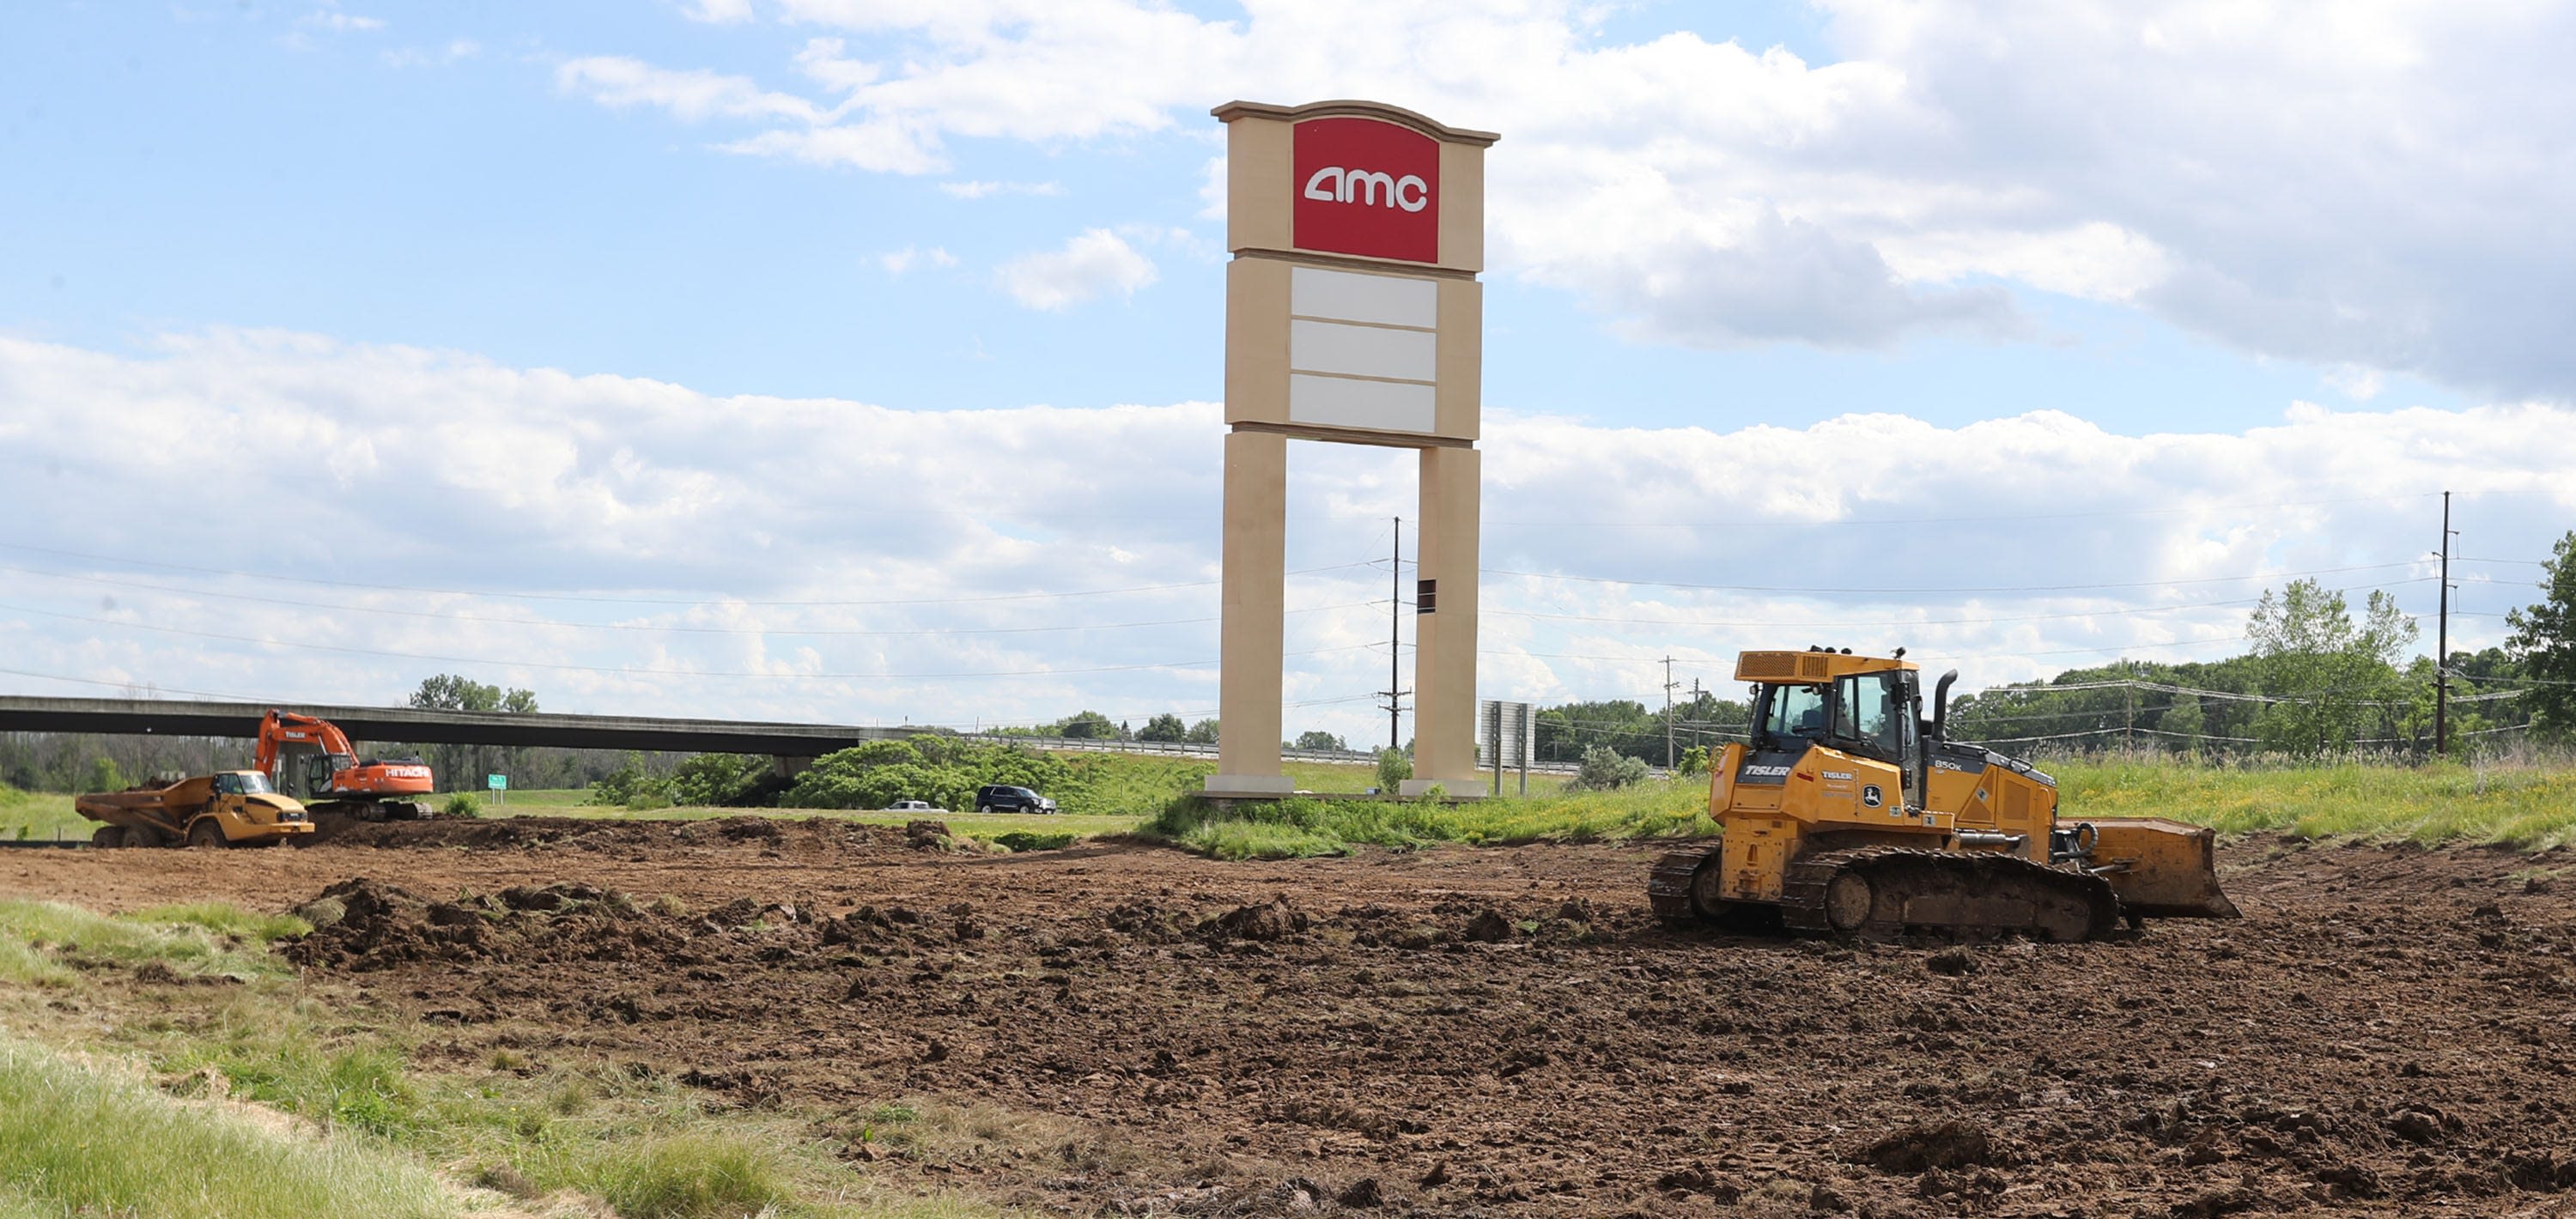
x: 253, y: 785
x: 1868, y: 714
x: 228, y: 785
x: 1796, y: 711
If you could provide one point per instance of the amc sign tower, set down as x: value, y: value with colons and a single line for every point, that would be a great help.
x: 1352, y: 315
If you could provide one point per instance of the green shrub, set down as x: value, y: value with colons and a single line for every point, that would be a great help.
x: 724, y: 779
x: 1022, y: 840
x: 941, y: 770
x: 632, y: 786
x: 1604, y: 770
x: 1393, y: 768
x: 462, y: 804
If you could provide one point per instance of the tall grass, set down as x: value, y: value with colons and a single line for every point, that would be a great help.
x: 42, y: 942
x: 2528, y: 807
x: 41, y: 817
x: 76, y: 1140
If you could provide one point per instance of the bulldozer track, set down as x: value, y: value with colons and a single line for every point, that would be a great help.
x: 1668, y: 890
x: 1890, y: 891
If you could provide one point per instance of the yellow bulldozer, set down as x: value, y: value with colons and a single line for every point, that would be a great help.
x: 1848, y: 813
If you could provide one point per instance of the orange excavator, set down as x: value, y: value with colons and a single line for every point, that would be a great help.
x: 310, y: 758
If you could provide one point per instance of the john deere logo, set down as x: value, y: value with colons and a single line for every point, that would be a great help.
x: 1871, y: 797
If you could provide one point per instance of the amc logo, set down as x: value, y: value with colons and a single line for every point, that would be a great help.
x: 1334, y: 184
x: 1367, y: 188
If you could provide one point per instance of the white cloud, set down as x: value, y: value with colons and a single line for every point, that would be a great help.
x: 718, y: 12
x: 1094, y: 262
x: 456, y: 51
x: 1212, y: 189
x: 896, y: 262
x: 986, y: 190
x: 2344, y: 184
x: 341, y: 23
x: 691, y: 96
x: 2358, y: 384
x: 881, y: 147
x: 534, y: 481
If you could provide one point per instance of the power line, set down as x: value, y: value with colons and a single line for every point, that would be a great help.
x: 1910, y: 622
x: 628, y: 669
x: 1919, y: 590
x: 605, y: 600
x: 2015, y: 517
x: 441, y: 615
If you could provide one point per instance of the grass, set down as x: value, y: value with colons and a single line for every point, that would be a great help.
x: 2527, y: 807
x: 44, y: 943
x: 41, y: 817
x: 364, y: 1131
x: 79, y: 1140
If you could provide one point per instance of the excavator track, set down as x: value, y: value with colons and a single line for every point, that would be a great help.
x: 1882, y: 892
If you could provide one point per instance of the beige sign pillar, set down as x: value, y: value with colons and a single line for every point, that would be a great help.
x: 1352, y: 315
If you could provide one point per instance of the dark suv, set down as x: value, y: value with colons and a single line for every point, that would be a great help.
x: 1000, y: 798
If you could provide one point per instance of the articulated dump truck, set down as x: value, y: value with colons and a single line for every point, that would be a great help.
x: 228, y: 808
x: 1846, y: 813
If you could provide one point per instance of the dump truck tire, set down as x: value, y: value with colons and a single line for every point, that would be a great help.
x: 142, y: 836
x: 108, y: 836
x: 205, y: 835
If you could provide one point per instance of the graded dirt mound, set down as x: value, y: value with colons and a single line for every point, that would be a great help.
x: 364, y: 925
x: 825, y: 834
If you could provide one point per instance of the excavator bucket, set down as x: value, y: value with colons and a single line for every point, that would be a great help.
x: 2162, y: 868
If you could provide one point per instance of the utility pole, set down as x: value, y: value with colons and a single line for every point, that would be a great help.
x: 1669, y: 684
x: 2129, y: 704
x: 2442, y: 646
x: 1395, y: 649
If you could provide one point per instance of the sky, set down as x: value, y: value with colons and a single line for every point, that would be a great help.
x: 856, y: 361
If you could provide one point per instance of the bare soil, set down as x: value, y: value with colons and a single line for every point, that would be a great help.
x: 2389, y: 1031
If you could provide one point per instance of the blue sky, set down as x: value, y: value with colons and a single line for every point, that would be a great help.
x: 2044, y: 237
x: 254, y: 167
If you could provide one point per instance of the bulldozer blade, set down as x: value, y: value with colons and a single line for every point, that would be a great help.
x: 2162, y: 868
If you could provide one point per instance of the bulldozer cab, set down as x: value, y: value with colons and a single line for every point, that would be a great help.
x: 1875, y: 714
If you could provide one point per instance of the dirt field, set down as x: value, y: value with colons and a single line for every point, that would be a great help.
x: 1478, y: 1031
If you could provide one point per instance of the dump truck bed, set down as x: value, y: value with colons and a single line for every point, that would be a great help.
x: 166, y: 809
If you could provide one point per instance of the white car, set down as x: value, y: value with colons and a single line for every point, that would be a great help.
x: 914, y: 806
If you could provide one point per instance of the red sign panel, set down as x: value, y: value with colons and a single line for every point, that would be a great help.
x: 1366, y: 187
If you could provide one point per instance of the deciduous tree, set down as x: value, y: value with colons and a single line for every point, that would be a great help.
x: 2544, y: 640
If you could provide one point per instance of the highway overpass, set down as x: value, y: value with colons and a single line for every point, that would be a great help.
x: 793, y: 745
x: 413, y: 725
